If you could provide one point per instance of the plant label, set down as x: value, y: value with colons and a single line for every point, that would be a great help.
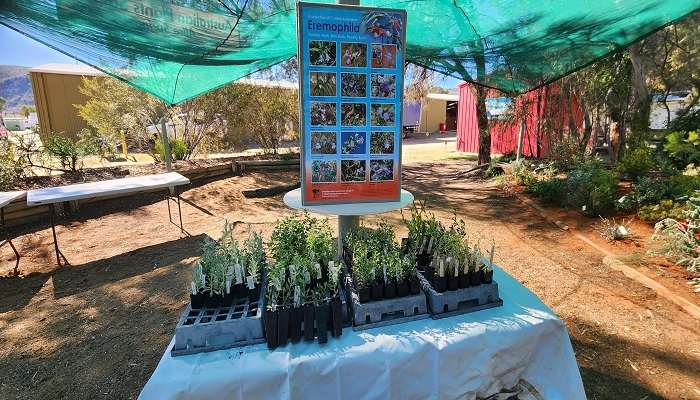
x: 228, y: 286
x: 307, y: 277
x: 239, y: 274
x: 493, y: 249
x: 384, y: 271
x: 251, y: 282
x: 297, y: 296
x: 318, y: 270
x: 441, y: 270
x: 194, y: 288
x: 430, y: 244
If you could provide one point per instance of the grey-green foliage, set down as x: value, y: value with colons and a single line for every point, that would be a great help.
x: 680, y: 239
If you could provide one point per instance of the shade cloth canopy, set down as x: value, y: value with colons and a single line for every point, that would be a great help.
x: 178, y: 49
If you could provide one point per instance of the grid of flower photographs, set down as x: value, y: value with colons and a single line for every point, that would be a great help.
x: 353, y: 100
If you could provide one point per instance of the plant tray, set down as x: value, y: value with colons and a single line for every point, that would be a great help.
x: 210, y: 329
x: 460, y: 301
x: 385, y: 312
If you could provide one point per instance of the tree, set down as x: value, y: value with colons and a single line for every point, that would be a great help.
x: 2, y: 104
x: 25, y: 110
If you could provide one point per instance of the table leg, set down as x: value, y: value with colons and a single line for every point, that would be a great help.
x: 345, y: 224
x: 179, y: 211
x: 7, y: 239
x: 59, y: 254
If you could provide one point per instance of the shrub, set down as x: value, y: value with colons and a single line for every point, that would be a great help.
x: 11, y: 168
x: 637, y: 163
x: 550, y: 191
x: 66, y: 150
x: 523, y: 175
x: 680, y: 239
x: 178, y: 149
x: 591, y: 188
x: 665, y: 209
x: 566, y: 155
x: 683, y: 147
x: 683, y: 185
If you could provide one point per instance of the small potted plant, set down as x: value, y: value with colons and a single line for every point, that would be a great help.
x: 452, y: 272
x: 322, y: 313
x: 197, y: 288
x: 336, y: 304
x: 439, y: 281
x: 488, y: 270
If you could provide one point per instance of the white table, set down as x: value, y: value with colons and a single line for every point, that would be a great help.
x: 112, y: 187
x: 457, y: 357
x: 5, y: 199
x: 348, y: 214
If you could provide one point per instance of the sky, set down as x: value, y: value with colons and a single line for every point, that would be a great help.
x: 17, y: 49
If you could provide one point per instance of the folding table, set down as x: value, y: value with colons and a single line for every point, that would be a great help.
x: 5, y: 199
x: 51, y: 196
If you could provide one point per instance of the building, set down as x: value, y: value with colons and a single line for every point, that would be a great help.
x: 436, y: 109
x: 56, y: 91
x: 660, y: 115
x: 545, y: 102
x: 20, y: 123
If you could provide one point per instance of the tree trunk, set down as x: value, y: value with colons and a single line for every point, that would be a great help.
x: 482, y: 119
x: 483, y: 125
x: 642, y: 101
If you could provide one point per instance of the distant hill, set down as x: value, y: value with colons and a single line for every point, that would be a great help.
x: 15, y: 87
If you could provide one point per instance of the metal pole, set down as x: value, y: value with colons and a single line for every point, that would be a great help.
x: 166, y: 145
x: 346, y: 222
x: 520, y: 140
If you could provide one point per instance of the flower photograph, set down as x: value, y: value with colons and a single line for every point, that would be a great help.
x: 381, y: 170
x: 383, y: 26
x: 353, y: 142
x: 383, y: 85
x: 323, y: 143
x: 322, y: 83
x: 383, y: 114
x: 322, y: 113
x: 383, y: 56
x: 353, y: 54
x: 353, y: 114
x: 322, y: 53
x: 353, y: 85
x: 352, y: 170
x: 324, y: 171
x: 382, y: 143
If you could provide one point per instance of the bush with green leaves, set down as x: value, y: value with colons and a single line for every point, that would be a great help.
x: 178, y: 149
x: 550, y: 191
x: 654, y: 213
x: 12, y: 168
x: 66, y: 150
x: 566, y: 155
x: 636, y: 163
x: 683, y: 147
x: 591, y: 188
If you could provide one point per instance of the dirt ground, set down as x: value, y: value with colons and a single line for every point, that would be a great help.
x: 97, y: 328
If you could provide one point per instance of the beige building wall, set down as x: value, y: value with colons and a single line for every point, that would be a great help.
x: 432, y: 114
x: 56, y: 91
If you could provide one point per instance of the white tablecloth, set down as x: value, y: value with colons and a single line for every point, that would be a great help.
x: 453, y: 358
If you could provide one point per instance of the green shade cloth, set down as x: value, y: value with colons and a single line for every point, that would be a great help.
x: 178, y: 49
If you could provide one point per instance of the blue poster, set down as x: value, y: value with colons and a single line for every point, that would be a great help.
x: 351, y: 70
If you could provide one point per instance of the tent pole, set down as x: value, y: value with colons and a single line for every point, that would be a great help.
x: 520, y: 140
x: 166, y: 144
x: 346, y: 222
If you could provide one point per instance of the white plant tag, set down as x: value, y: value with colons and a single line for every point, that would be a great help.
x: 292, y: 270
x: 456, y: 270
x: 430, y: 244
x: 493, y: 250
x: 194, y: 288
x: 441, y: 271
x: 204, y: 279
x: 384, y: 272
x: 318, y: 270
x: 621, y: 199
x: 297, y: 296
x: 239, y: 276
x: 251, y: 282
x: 307, y: 277
x: 228, y: 286
x: 422, y: 246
